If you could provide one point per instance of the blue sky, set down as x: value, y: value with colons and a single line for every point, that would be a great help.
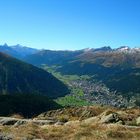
x: 70, y: 24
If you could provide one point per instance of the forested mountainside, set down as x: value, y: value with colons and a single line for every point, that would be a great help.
x: 22, y: 78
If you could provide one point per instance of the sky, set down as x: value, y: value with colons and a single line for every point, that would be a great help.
x: 70, y: 24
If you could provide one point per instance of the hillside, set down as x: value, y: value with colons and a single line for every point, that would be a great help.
x: 115, y: 72
x: 82, y: 123
x: 18, y: 77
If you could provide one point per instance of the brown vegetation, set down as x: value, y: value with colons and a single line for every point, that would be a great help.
x: 89, y: 128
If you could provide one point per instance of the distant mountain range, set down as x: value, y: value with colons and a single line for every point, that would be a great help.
x: 17, y: 51
x: 122, y: 57
x: 104, y: 55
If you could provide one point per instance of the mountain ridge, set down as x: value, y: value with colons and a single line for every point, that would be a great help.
x: 17, y: 51
x: 104, y: 56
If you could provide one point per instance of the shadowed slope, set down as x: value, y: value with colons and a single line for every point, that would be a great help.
x: 19, y: 77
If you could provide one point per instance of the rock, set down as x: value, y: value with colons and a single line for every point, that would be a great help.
x: 90, y: 120
x: 8, y: 121
x: 138, y: 121
x: 111, y: 118
x: 38, y: 139
x: 120, y: 122
x: 17, y: 122
x: 72, y: 123
x: 2, y: 118
x: 44, y: 126
x: 44, y: 122
x: 21, y: 122
x: 6, y: 137
x: 59, y: 123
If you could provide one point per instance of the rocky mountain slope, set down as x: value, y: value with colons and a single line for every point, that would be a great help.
x: 86, y: 123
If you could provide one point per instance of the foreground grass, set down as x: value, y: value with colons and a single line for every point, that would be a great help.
x: 78, y: 127
x: 74, y: 132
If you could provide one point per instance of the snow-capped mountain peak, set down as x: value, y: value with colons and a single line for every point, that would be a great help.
x: 123, y: 48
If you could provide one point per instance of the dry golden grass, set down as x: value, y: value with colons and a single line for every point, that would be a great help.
x: 74, y: 132
x: 74, y: 113
x: 77, y: 130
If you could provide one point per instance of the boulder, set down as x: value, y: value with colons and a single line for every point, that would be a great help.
x: 59, y: 123
x: 6, y: 137
x: 111, y: 118
x: 8, y: 121
x: 38, y: 139
x: 43, y: 122
x: 138, y: 121
x: 69, y: 123
x: 120, y: 122
x: 21, y: 122
x: 90, y: 120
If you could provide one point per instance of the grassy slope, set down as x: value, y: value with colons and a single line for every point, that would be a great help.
x: 80, y: 130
